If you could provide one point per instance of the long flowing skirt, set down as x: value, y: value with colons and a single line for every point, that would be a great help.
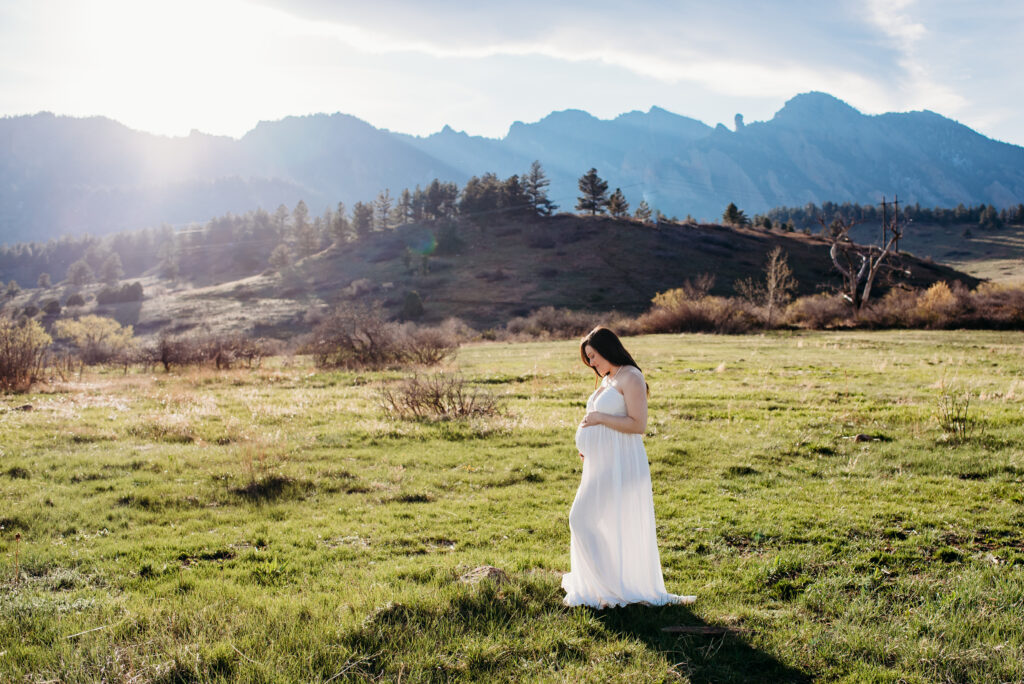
x: 614, y: 547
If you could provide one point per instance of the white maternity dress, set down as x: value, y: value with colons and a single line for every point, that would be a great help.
x: 614, y: 546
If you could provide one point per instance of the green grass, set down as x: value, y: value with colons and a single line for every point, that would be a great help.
x: 273, y: 526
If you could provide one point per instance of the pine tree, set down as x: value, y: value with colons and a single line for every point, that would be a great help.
x: 340, y: 226
x: 402, y: 213
x: 80, y: 273
x: 362, y: 219
x: 300, y: 219
x: 111, y: 271
x: 280, y: 220
x: 617, y: 204
x: 535, y: 184
x: 44, y: 281
x: 734, y: 216
x: 594, y: 193
x: 643, y: 212
x: 382, y: 210
x: 280, y: 258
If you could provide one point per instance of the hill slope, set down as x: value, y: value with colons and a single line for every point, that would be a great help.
x: 500, y: 272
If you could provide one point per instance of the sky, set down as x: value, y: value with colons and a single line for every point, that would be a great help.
x: 221, y: 66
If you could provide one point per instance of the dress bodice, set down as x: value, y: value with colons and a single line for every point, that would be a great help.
x: 607, y: 399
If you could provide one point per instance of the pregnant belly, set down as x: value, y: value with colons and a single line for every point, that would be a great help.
x: 589, y: 440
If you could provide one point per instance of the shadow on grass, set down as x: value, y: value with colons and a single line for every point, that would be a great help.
x: 273, y: 488
x: 504, y: 631
x: 724, y: 656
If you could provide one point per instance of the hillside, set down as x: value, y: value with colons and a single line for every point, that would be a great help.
x: 61, y: 175
x: 499, y: 272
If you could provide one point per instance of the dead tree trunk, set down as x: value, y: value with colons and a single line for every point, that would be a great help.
x: 859, y: 265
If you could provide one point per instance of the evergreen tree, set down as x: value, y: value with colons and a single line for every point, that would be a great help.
x: 617, y: 204
x: 340, y: 225
x: 280, y: 258
x: 402, y: 213
x: 593, y: 193
x: 44, y: 281
x: 989, y: 217
x: 1018, y: 215
x: 280, y: 220
x: 419, y: 204
x: 12, y: 288
x: 111, y: 271
x: 80, y: 273
x: 643, y: 212
x: 535, y: 184
x: 382, y: 210
x: 307, y: 237
x: 412, y: 306
x: 513, y: 198
x: 362, y: 219
x: 734, y: 216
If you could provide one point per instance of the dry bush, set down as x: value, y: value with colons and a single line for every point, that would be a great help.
x: 23, y: 348
x: 358, y: 336
x: 226, y: 350
x: 691, y: 309
x: 818, y: 312
x: 996, y: 306
x: 439, y: 396
x: 222, y: 351
x: 178, y: 351
x: 893, y: 310
x: 939, y: 306
x: 429, y: 346
x: 549, y: 322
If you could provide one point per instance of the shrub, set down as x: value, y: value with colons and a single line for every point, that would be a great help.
x: 358, y: 336
x: 551, y: 322
x: 412, y: 305
x: 689, y: 309
x: 428, y: 345
x: 894, y: 310
x: 129, y: 292
x: 953, y: 412
x: 818, y: 311
x: 97, y: 338
x: 30, y: 310
x: 51, y: 307
x: 225, y: 350
x: 997, y: 306
x: 937, y: 306
x: 23, y: 348
x: 436, y: 397
x: 75, y: 300
x: 177, y: 351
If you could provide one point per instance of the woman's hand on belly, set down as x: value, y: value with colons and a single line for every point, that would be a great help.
x: 592, y: 418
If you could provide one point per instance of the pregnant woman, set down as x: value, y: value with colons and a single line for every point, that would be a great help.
x: 614, y: 548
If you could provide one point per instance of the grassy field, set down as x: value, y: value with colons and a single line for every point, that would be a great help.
x: 274, y: 526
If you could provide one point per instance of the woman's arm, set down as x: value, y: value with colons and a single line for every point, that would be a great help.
x: 634, y: 391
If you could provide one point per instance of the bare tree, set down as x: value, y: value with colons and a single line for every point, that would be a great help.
x: 776, y: 289
x: 860, y: 264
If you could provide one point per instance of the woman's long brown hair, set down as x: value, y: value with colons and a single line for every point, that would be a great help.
x: 607, y: 344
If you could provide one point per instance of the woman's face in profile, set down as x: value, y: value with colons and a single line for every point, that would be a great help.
x: 596, y: 361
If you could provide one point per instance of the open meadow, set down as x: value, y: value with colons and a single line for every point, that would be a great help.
x: 274, y: 525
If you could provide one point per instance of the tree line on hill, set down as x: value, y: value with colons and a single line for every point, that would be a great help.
x: 234, y: 246
x: 985, y: 216
x: 239, y: 245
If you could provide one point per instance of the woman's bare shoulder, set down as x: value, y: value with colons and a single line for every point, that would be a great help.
x: 630, y: 375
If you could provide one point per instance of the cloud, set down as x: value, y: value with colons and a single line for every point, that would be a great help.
x: 732, y: 47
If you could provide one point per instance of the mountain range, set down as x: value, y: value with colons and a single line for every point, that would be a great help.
x: 61, y: 175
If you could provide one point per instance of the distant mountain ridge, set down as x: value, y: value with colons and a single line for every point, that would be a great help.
x: 67, y: 175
